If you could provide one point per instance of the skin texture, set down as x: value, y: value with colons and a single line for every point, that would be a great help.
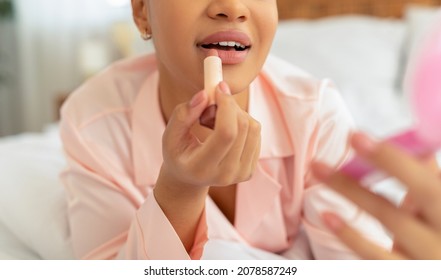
x: 230, y: 151
x: 415, y: 225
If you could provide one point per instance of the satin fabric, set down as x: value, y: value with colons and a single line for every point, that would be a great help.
x: 112, y: 128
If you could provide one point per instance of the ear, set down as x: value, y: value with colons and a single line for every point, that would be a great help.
x: 140, y: 16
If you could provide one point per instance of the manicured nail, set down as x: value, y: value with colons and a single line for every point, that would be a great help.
x: 363, y: 143
x: 332, y: 221
x: 208, y: 117
x: 321, y: 170
x: 408, y: 205
x: 197, y: 99
x: 224, y: 88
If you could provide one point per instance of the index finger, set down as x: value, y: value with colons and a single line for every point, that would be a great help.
x: 423, y: 184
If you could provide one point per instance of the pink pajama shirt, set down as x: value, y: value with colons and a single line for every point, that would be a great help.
x: 112, y: 128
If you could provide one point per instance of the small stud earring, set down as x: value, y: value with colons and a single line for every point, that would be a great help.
x: 146, y: 36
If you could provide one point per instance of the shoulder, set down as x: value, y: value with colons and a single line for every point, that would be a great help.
x: 113, y: 89
x: 312, y: 108
x: 289, y: 81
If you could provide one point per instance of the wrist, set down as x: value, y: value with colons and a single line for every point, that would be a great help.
x: 183, y: 205
x: 167, y: 186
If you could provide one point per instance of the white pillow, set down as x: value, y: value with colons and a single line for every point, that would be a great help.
x: 11, y: 248
x: 419, y: 20
x: 32, y: 203
x: 350, y: 49
x: 362, y: 55
x: 377, y: 110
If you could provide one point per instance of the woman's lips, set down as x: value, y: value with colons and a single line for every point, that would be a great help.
x: 227, y: 36
x: 229, y: 57
x: 235, y: 52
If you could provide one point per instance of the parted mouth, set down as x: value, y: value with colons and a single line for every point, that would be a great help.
x: 226, y: 46
x: 227, y: 41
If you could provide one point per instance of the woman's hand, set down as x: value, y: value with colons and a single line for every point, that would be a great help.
x: 416, y: 226
x: 228, y: 155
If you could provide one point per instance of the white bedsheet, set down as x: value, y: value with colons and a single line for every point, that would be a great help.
x: 33, y: 222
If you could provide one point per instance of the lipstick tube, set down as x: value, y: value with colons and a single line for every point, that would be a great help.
x: 212, y: 78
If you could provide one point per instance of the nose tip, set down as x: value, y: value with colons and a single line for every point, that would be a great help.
x: 228, y: 10
x: 230, y: 17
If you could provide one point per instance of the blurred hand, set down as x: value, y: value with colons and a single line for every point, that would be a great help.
x: 416, y: 226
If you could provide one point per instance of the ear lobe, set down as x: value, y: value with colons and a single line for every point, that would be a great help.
x: 140, y: 15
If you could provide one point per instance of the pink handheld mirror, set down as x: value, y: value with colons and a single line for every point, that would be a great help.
x: 424, y: 83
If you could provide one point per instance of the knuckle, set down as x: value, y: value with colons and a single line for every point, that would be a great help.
x: 227, y: 135
x: 227, y: 176
x: 231, y: 170
x: 243, y: 123
x: 223, y: 180
x: 255, y: 127
x: 250, y: 175
x: 252, y: 169
x: 180, y: 113
x: 246, y: 175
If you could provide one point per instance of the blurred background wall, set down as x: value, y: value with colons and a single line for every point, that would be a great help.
x: 49, y: 47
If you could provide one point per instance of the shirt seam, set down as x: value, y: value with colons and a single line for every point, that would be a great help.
x: 142, y: 236
x: 101, y: 115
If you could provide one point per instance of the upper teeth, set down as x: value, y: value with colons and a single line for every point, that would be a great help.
x: 230, y: 44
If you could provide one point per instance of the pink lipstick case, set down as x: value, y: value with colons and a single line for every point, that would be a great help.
x: 424, y: 83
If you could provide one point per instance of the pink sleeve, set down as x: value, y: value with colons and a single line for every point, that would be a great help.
x: 109, y: 217
x: 162, y: 242
x: 331, y: 146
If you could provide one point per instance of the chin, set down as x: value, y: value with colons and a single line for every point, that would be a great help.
x: 237, y: 88
x: 239, y: 81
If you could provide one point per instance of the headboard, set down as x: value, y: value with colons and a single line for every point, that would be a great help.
x: 311, y: 9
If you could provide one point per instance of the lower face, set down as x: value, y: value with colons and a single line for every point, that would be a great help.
x: 181, y: 27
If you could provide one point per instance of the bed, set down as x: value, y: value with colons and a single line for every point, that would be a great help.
x: 364, y: 46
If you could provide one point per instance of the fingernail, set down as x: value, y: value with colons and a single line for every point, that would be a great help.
x: 197, y: 99
x: 208, y: 117
x: 363, y: 143
x: 332, y: 221
x: 321, y: 170
x: 408, y: 205
x: 224, y: 88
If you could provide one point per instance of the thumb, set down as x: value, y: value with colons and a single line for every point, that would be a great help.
x: 186, y: 114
